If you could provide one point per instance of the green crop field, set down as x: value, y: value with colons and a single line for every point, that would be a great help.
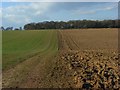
x: 17, y: 46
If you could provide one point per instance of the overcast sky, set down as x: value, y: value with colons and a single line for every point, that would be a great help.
x: 17, y: 14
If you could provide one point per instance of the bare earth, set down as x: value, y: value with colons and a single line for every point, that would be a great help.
x: 87, y: 58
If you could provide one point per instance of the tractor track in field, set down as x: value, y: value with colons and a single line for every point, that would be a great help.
x: 66, y: 42
x: 72, y: 42
x: 40, y: 75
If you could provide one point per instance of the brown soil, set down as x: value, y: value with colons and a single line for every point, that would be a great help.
x: 89, y: 58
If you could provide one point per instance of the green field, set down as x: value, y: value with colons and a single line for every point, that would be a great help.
x: 17, y: 46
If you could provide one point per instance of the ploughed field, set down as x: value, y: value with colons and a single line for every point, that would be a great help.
x: 90, y: 57
x: 85, y: 58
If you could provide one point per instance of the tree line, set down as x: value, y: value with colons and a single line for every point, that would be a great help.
x: 72, y: 24
x: 9, y: 28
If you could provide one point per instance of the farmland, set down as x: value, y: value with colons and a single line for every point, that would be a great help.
x: 61, y: 58
x: 91, y: 58
x: 19, y: 45
x: 90, y: 39
x: 23, y: 51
